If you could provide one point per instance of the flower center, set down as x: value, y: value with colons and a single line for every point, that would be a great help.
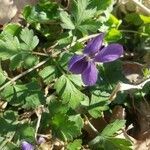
x: 89, y: 57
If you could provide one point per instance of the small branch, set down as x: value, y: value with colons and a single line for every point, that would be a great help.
x: 23, y: 74
x: 90, y: 125
x: 40, y: 54
x: 38, y: 112
x: 141, y: 6
x: 125, y: 87
x: 131, y: 31
x: 82, y: 40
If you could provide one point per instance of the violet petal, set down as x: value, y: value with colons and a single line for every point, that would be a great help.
x: 77, y: 64
x: 26, y: 146
x: 109, y: 53
x: 41, y: 140
x: 94, y: 45
x: 89, y: 76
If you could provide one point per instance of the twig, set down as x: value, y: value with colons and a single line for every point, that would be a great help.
x: 124, y: 87
x: 38, y: 112
x: 82, y: 40
x: 144, y: 9
x: 90, y: 125
x: 23, y: 74
x: 136, y: 32
x: 40, y: 54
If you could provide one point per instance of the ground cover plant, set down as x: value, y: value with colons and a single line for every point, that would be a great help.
x: 74, y: 74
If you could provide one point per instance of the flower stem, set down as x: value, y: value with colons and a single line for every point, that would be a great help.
x: 136, y: 32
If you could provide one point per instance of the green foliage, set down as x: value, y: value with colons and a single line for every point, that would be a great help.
x: 34, y: 57
x: 18, y: 48
x: 113, y: 35
x: 75, y: 145
x: 12, y: 29
x: 3, y: 76
x: 48, y: 74
x: 27, y: 132
x: 28, y: 95
x: 41, y: 13
x: 106, y: 140
x: 67, y: 23
x: 98, y: 104
x: 112, y: 128
x: 9, y: 46
x: 66, y: 127
x: 29, y: 40
x: 134, y: 18
x: 68, y: 91
x: 79, y: 20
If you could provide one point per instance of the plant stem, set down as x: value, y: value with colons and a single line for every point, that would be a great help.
x: 40, y: 54
x: 90, y: 125
x: 142, y: 7
x: 23, y: 74
x: 136, y: 32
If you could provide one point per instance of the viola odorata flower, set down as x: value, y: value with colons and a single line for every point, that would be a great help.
x: 41, y: 140
x: 94, y: 52
x: 26, y: 146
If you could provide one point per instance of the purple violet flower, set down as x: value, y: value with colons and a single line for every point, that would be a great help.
x: 94, y: 51
x: 41, y: 140
x: 26, y: 146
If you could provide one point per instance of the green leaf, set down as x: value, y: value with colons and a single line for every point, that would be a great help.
x: 27, y: 132
x: 101, y: 4
x: 34, y: 100
x: 48, y: 74
x: 41, y: 13
x: 12, y: 29
x: 2, y: 76
x: 75, y: 145
x: 145, y: 29
x: 8, y: 93
x: 113, y: 35
x: 28, y: 95
x: 107, y: 134
x: 30, y: 61
x: 80, y: 11
x: 112, y: 128
x: 9, y: 46
x: 76, y: 79
x: 99, y: 103
x: 134, y: 18
x: 145, y: 19
x: 64, y: 59
x: 78, y: 122
x: 68, y: 92
x: 7, y: 127
x: 56, y: 107
x: 29, y: 39
x: 66, y: 21
x: 117, y: 143
x: 89, y: 25
x: 113, y: 22
x: 111, y: 73
x: 16, y: 61
x: 64, y: 128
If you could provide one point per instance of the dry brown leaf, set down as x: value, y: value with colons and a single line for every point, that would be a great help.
x: 133, y: 71
x: 9, y: 8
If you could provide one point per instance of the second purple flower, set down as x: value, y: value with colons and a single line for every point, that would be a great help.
x: 94, y: 51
